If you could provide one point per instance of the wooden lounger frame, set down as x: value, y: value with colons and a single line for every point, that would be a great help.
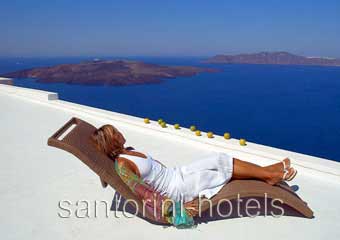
x: 77, y: 142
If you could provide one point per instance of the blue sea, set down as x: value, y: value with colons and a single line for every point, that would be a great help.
x: 291, y: 107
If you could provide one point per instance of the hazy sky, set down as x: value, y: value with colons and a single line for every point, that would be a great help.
x: 168, y: 28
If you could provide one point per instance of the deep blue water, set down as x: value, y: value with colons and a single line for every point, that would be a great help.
x: 290, y: 107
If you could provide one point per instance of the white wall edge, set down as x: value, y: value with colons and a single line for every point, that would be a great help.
x: 29, y: 93
x: 217, y: 143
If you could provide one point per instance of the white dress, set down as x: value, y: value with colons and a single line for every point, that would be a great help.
x: 204, y: 177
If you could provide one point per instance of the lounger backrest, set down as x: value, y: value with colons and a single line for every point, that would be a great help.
x: 74, y: 137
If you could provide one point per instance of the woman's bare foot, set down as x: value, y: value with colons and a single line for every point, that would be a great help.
x: 280, y: 166
x: 276, y: 177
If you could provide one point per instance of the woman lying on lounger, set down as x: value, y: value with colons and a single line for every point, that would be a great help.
x: 200, y: 178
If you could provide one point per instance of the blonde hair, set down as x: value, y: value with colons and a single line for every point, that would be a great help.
x: 105, y: 140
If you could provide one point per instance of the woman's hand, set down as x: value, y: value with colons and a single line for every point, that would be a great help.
x: 191, y: 208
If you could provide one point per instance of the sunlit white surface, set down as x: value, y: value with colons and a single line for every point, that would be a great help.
x: 35, y: 177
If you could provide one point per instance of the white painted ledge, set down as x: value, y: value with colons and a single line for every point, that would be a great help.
x: 28, y: 93
x: 218, y: 143
x: 7, y: 81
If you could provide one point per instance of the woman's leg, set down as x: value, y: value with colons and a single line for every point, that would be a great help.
x: 246, y: 170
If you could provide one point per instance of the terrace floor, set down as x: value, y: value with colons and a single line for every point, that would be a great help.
x: 35, y: 177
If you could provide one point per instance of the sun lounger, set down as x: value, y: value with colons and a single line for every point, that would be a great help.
x: 74, y: 137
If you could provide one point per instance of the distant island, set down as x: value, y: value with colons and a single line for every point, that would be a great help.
x: 281, y: 58
x: 107, y: 73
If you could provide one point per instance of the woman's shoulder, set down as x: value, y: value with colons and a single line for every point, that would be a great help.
x: 133, y: 152
x: 125, y: 162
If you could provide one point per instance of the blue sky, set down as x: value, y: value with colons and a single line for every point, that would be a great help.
x: 168, y: 28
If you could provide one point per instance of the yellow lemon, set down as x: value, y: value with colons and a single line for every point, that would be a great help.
x: 163, y: 124
x: 146, y: 120
x: 160, y: 121
x: 193, y: 128
x: 210, y: 135
x: 176, y: 126
x: 243, y: 142
x: 198, y: 133
x: 226, y: 135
